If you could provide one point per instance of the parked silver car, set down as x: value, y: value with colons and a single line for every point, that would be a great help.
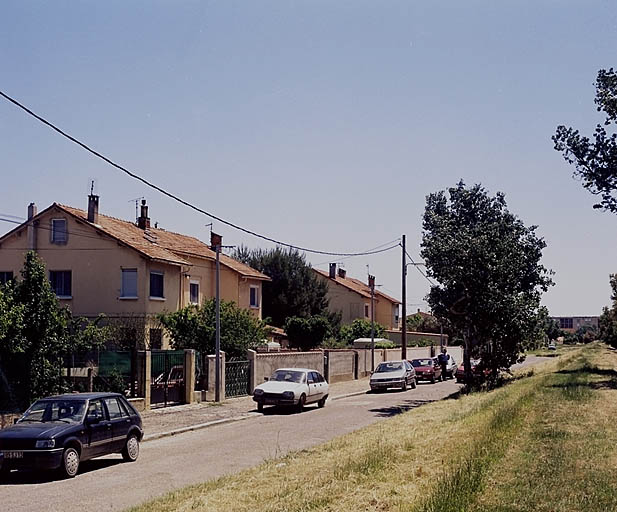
x: 393, y: 374
x: 292, y: 386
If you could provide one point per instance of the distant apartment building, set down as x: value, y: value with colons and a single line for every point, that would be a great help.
x: 126, y: 270
x: 573, y: 323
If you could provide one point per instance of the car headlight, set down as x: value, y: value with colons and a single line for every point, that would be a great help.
x: 258, y: 392
x: 46, y: 443
x: 288, y: 394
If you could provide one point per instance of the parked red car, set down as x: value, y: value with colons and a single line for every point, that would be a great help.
x: 475, y: 369
x: 427, y: 369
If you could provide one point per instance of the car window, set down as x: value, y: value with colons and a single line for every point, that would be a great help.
x: 128, y: 408
x: 288, y: 376
x: 113, y: 408
x: 95, y: 410
x: 312, y: 377
x: 389, y: 367
x: 68, y: 411
x: 319, y: 377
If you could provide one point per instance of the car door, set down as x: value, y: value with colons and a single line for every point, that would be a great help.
x: 409, y: 372
x: 120, y: 423
x: 323, y: 385
x: 313, y: 385
x: 98, y: 429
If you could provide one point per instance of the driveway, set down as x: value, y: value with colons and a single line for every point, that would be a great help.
x: 171, y: 462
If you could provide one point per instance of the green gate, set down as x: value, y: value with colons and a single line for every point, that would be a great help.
x: 166, y: 377
x: 237, y: 374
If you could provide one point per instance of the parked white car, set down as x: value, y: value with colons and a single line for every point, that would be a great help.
x: 393, y: 374
x: 292, y: 386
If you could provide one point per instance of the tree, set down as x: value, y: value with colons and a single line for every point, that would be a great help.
x: 595, y: 162
x: 36, y: 334
x: 294, y: 290
x: 424, y: 323
x: 360, y: 328
x: 195, y: 327
x: 487, y: 264
x: 607, y: 324
x: 306, y: 333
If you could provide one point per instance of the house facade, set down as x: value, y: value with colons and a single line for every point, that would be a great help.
x: 352, y: 298
x: 100, y: 264
x: 573, y: 323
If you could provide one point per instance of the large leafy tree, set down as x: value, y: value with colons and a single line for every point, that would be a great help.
x: 487, y: 264
x: 360, y: 328
x: 595, y: 159
x: 294, y: 290
x: 306, y: 333
x: 195, y: 327
x: 36, y: 334
x: 608, y: 318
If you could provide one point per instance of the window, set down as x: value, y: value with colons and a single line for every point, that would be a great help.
x: 566, y: 323
x: 129, y: 283
x: 254, y: 298
x: 366, y: 315
x: 156, y: 285
x: 95, y: 410
x: 61, y: 283
x: 113, y: 408
x: 194, y: 292
x: 59, y: 234
x: 5, y: 277
x: 156, y: 339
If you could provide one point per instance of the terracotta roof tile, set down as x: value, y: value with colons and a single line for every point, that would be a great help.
x: 161, y: 244
x: 357, y: 286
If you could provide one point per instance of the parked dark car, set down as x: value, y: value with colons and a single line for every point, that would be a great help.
x: 427, y: 368
x: 61, y: 431
x: 475, y: 370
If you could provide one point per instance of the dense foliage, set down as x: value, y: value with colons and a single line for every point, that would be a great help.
x: 195, y: 327
x: 595, y: 161
x: 306, y: 333
x: 487, y: 264
x: 423, y: 323
x: 608, y: 319
x: 360, y: 328
x: 36, y: 334
x: 294, y: 290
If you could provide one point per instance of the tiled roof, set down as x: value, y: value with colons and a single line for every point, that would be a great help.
x: 357, y: 286
x: 160, y: 244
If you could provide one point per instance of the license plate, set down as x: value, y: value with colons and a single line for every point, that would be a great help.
x: 13, y: 455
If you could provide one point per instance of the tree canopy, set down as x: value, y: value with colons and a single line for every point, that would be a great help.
x: 306, y: 333
x: 487, y: 264
x: 595, y: 161
x: 195, y: 327
x: 360, y: 328
x: 608, y: 319
x: 294, y: 290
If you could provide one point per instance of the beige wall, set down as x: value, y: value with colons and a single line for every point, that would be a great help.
x: 385, y: 313
x: 349, y: 303
x: 265, y: 364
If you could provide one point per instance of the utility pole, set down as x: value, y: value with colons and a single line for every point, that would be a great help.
x: 371, y: 283
x: 216, y: 241
x: 404, y: 304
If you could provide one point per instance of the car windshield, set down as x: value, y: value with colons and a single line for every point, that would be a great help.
x: 389, y: 367
x: 288, y: 376
x: 67, y: 411
x: 422, y: 362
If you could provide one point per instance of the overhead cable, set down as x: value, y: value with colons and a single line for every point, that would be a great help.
x: 180, y: 200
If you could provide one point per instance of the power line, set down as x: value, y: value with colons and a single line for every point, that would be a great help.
x: 395, y: 241
x: 178, y: 199
x: 420, y: 270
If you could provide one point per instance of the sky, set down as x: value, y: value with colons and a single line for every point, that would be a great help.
x: 323, y: 124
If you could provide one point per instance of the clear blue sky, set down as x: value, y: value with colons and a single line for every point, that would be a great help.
x: 323, y: 124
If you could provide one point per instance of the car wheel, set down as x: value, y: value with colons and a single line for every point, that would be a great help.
x: 322, y: 402
x: 70, y: 463
x: 301, y: 402
x: 433, y: 379
x: 131, y: 449
x: 4, y: 473
x: 404, y: 385
x: 413, y: 384
x: 260, y: 407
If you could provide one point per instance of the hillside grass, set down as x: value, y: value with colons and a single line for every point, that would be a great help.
x: 544, y: 442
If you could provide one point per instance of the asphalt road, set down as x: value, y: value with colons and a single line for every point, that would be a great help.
x: 172, y: 462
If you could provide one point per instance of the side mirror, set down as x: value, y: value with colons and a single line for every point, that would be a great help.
x: 266, y: 379
x: 93, y: 420
x: 15, y: 420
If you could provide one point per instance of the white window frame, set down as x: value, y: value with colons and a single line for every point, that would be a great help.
x: 192, y: 282
x: 257, y: 297
x: 54, y: 232
x: 123, y: 295
x: 154, y: 297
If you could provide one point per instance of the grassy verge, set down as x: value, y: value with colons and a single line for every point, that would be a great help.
x: 544, y: 442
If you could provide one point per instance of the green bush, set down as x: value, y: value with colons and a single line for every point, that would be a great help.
x: 385, y: 344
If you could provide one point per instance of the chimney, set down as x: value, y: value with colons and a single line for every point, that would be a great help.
x: 332, y: 270
x: 371, y: 281
x: 143, y: 221
x: 342, y: 273
x: 93, y: 209
x: 31, y: 210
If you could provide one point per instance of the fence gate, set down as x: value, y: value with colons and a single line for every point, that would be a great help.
x: 237, y: 374
x: 167, y: 377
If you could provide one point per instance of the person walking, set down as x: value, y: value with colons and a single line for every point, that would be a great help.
x: 443, y: 362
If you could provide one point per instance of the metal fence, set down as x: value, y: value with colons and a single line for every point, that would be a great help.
x: 237, y: 375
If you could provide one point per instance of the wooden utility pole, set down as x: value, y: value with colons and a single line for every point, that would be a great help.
x: 371, y: 283
x: 404, y: 304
